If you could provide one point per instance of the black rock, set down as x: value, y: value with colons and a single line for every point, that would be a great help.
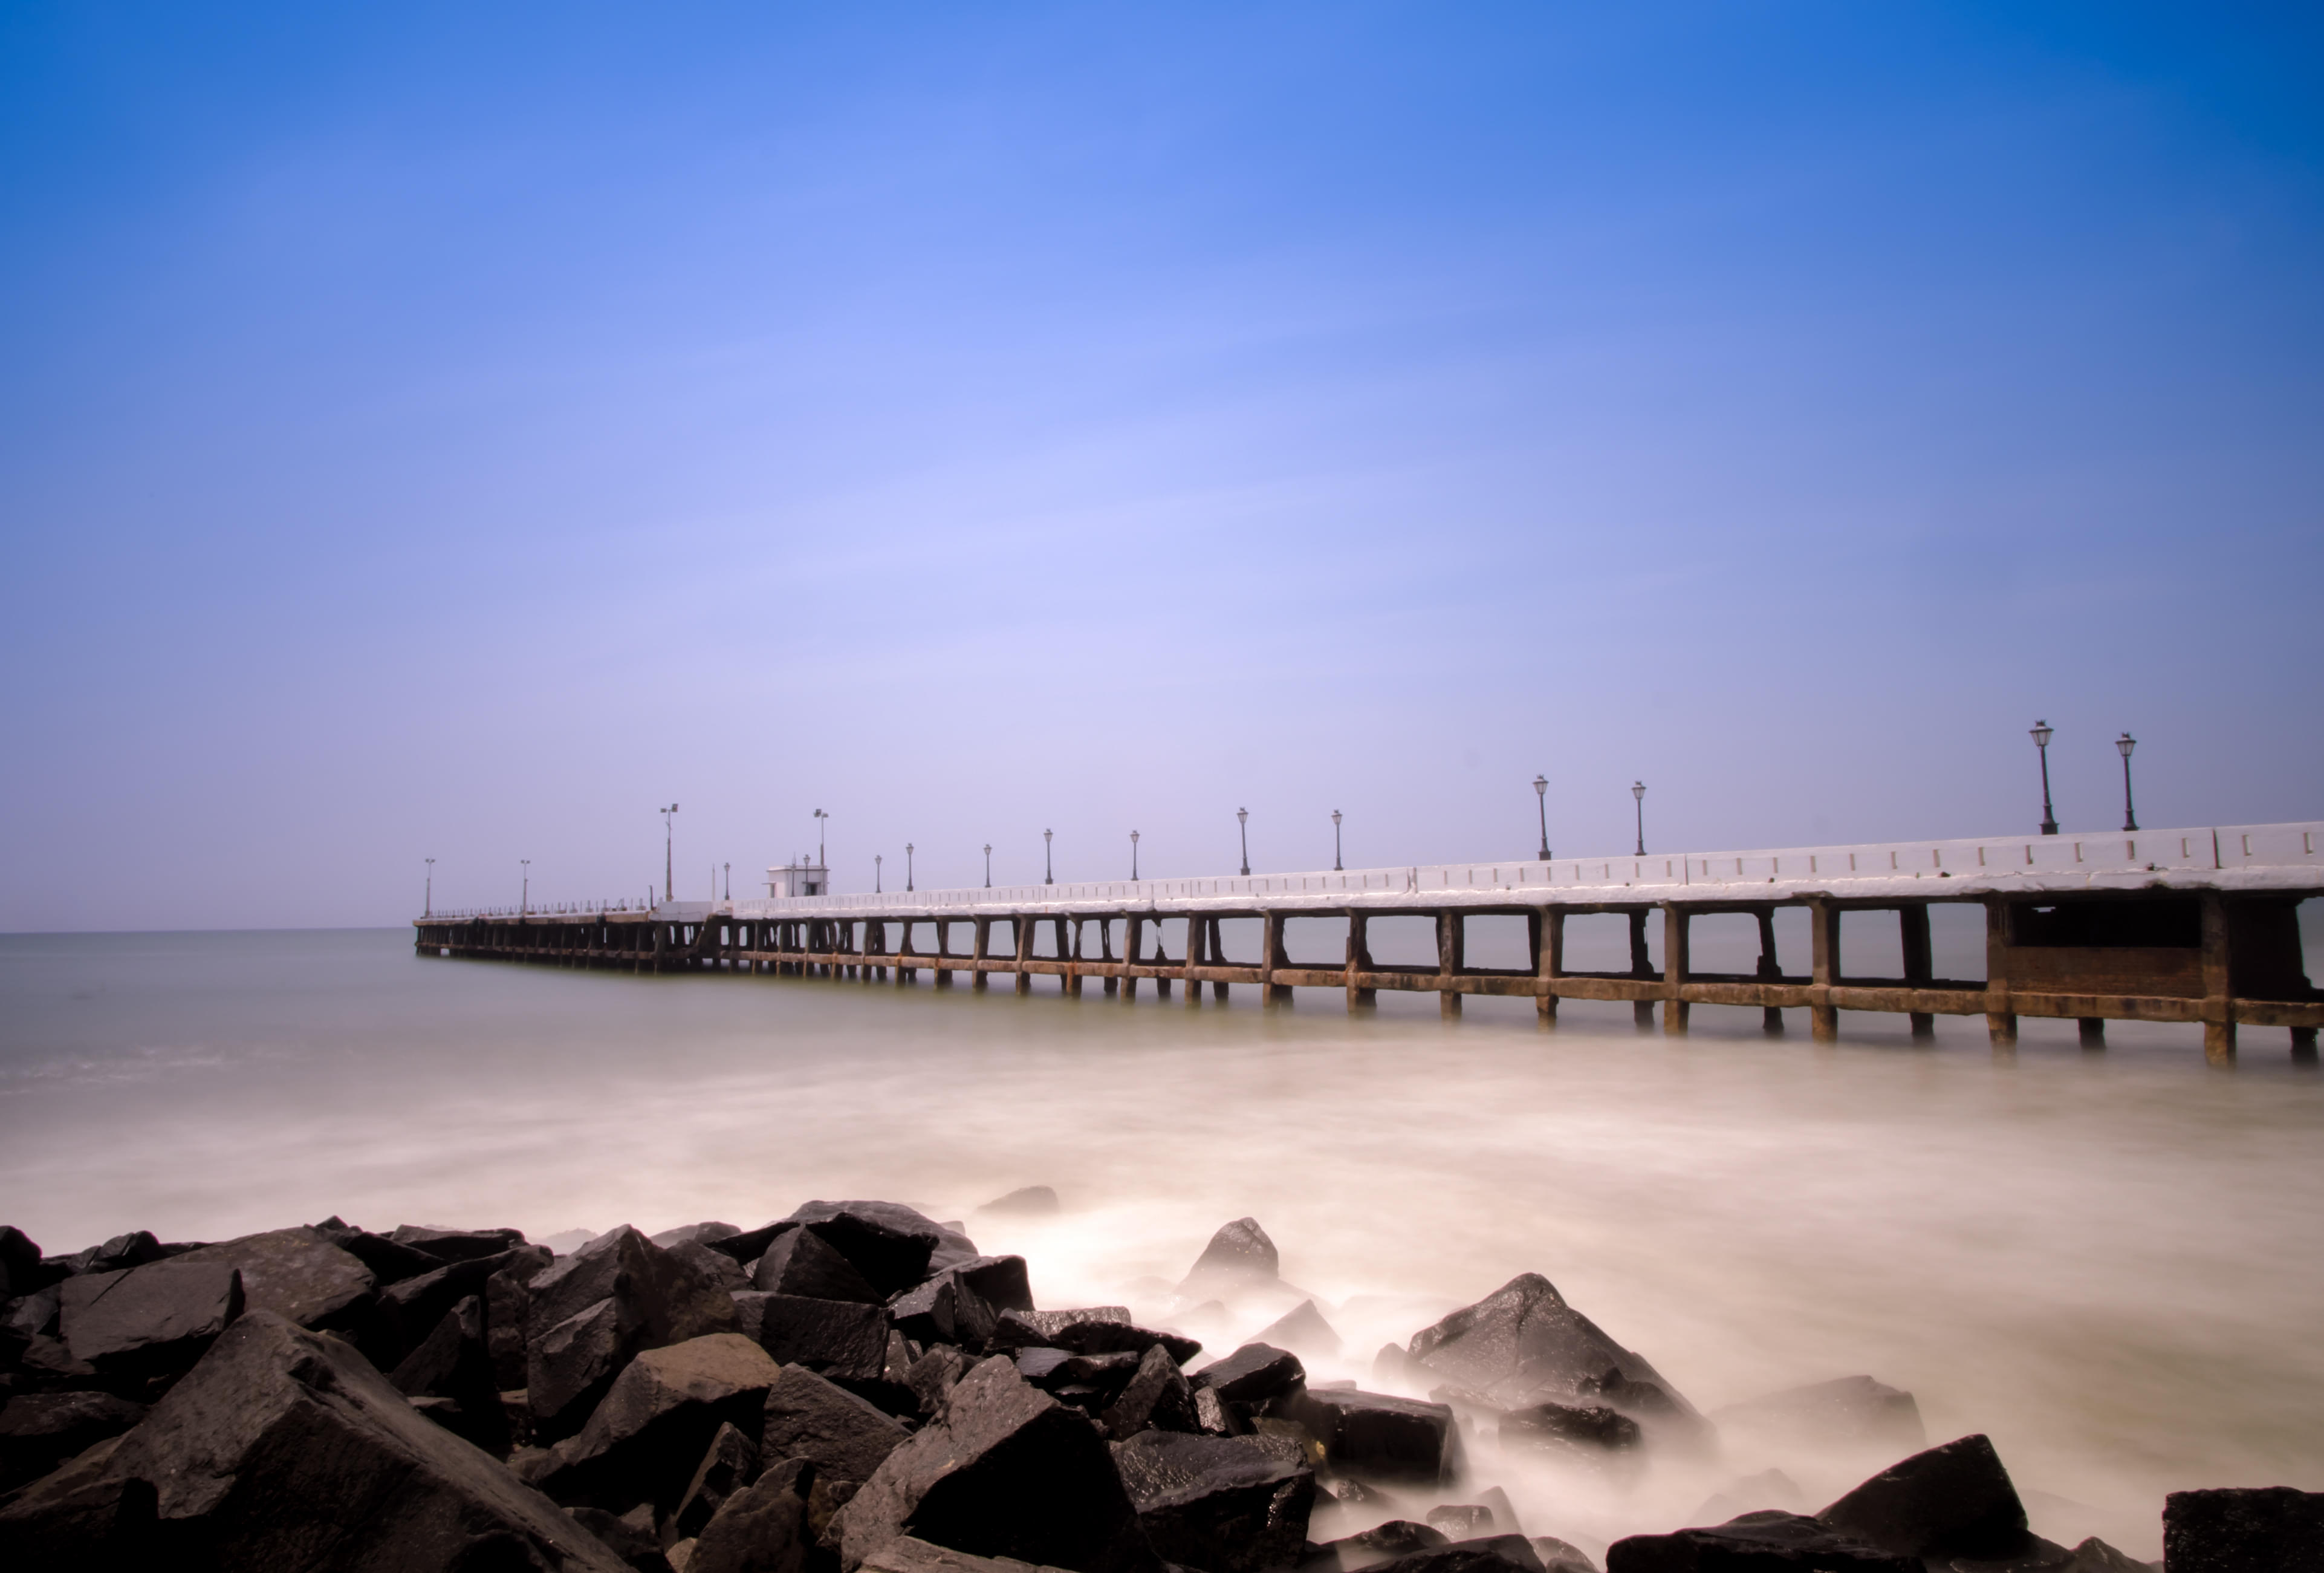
x: 1252, y: 1375
x: 807, y: 1417
x: 407, y: 1311
x: 1756, y: 1542
x: 21, y: 1271
x: 943, y: 1310
x: 802, y: 1264
x: 39, y: 1431
x: 763, y: 1528
x: 1383, y: 1542
x: 454, y: 1363
x: 2243, y: 1531
x: 730, y: 1464
x: 1007, y: 1472
x: 589, y: 1313
x: 833, y: 1337
x: 569, y: 1367
x: 296, y: 1274
x: 747, y: 1246
x: 1558, y: 1557
x: 45, y: 1365
x: 647, y: 1436
x: 1215, y: 1416
x: 933, y: 1375
x: 508, y: 1301
x: 1376, y: 1436
x: 1158, y: 1396
x: 1847, y: 1412
x: 457, y: 1244
x: 389, y: 1262
x: 695, y: 1234
x: 1953, y: 1501
x: 1230, y: 1504
x: 1524, y: 1345
x: 891, y: 1245
x: 31, y: 1315
x: 1563, y: 1426
x: 635, y: 1543
x: 1239, y: 1253
x: 279, y: 1449
x: 720, y: 1269
x: 1462, y: 1520
x: 905, y: 1554
x: 1034, y: 1201
x: 145, y: 1321
x: 1000, y: 1281
x: 1495, y: 1554
x: 1058, y: 1370
x: 1303, y: 1328
x: 117, y: 1254
x: 1092, y: 1331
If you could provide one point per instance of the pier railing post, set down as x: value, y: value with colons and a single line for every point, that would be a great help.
x: 1824, y: 920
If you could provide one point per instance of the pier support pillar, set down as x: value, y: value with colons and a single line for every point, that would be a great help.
x: 2093, y: 1030
x: 2304, y: 1045
x: 1450, y: 959
x: 2001, y: 1027
x: 1546, y: 930
x: 1912, y: 929
x: 1359, y: 960
x: 2218, y: 1002
x: 979, y: 951
x: 1823, y: 927
x: 1675, y: 922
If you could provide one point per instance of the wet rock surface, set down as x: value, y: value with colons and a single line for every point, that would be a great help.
x: 1756, y: 1542
x: 1230, y: 1504
x: 2243, y: 1531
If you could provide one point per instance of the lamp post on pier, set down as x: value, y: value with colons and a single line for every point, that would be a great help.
x: 1242, y: 818
x: 428, y: 907
x: 667, y: 814
x: 988, y: 865
x: 1049, y: 870
x: 1335, y: 841
x: 875, y: 873
x: 1133, y: 857
x: 819, y: 818
x: 2042, y: 733
x: 1638, y: 792
x: 1541, y: 802
x: 908, y: 865
x: 730, y: 881
x: 524, y: 901
x: 2126, y: 743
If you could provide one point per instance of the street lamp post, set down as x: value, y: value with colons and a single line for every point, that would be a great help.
x: 2126, y: 743
x: 875, y: 873
x: 428, y: 909
x: 819, y: 818
x: 667, y: 814
x: 730, y: 881
x: 1049, y: 870
x: 988, y: 865
x: 1133, y: 857
x: 524, y: 901
x: 907, y: 867
x: 2041, y: 734
x: 1638, y: 792
x: 1335, y: 841
x: 1541, y: 798
x: 1242, y: 818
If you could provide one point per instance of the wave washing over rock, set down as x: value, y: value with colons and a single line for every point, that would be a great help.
x: 856, y: 1389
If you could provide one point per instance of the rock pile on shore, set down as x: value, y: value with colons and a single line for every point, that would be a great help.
x: 855, y: 1389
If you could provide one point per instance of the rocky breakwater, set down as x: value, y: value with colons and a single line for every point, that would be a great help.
x: 856, y: 1389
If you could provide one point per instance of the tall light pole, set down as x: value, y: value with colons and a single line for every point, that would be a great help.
x: 908, y: 869
x: 819, y: 818
x: 1242, y: 817
x: 1049, y: 870
x: 1133, y: 857
x: 988, y: 865
x: 428, y: 909
x: 1638, y: 792
x: 730, y: 881
x: 1335, y: 841
x: 1540, y: 800
x: 2126, y: 743
x: 525, y: 902
x: 875, y: 873
x: 2042, y: 733
x: 667, y: 814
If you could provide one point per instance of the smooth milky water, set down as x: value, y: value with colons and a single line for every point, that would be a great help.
x: 2112, y: 1263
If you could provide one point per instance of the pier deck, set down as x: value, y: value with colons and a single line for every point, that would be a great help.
x: 2196, y: 926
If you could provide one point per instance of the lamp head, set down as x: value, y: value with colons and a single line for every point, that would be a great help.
x: 1638, y: 791
x: 1133, y: 835
x: 1242, y: 816
x: 1541, y: 786
x: 1336, y: 816
x: 2043, y: 731
x: 2126, y: 743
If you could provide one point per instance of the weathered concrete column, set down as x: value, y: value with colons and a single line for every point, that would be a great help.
x: 1218, y: 959
x: 1133, y: 952
x: 1642, y: 966
x: 943, y: 949
x: 1359, y: 960
x: 2219, y: 983
x: 1545, y: 937
x: 1270, y: 956
x: 2000, y: 1021
x: 1024, y: 927
x: 980, y: 952
x: 1071, y: 956
x: 1770, y: 970
x: 2092, y: 1030
x: 1823, y: 924
x: 1193, y: 958
x: 2304, y: 1045
x: 1912, y: 930
x: 1676, y: 920
x: 1449, y: 960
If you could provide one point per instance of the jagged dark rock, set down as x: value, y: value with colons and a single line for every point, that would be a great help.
x: 905, y: 1554
x: 943, y: 1310
x: 1238, y: 1256
x: 295, y: 1273
x: 1847, y: 1412
x: 1229, y: 1504
x: 1559, y: 1555
x: 1489, y: 1554
x: 118, y: 1254
x: 591, y: 1312
x: 284, y: 1449
x: 803, y: 1263
x: 389, y: 1262
x: 2243, y: 1531
x: 644, y: 1440
x: 1007, y: 1472
x: 508, y: 1300
x: 20, y: 1269
x: 1158, y: 1396
x: 701, y: 1234
x: 1303, y: 1328
x: 719, y: 1269
x: 634, y: 1542
x: 1566, y: 1426
x: 455, y: 1363
x: 1523, y: 1344
x: 729, y: 1464
x: 843, y: 1341
x: 1091, y: 1330
x: 1252, y: 1375
x: 932, y: 1376
x: 39, y: 1431
x: 1955, y: 1501
x: 1463, y: 1521
x: 1756, y: 1542
x: 763, y: 1528
x: 457, y: 1244
x: 408, y: 1310
x: 1375, y: 1436
x: 844, y: 1438
x: 1383, y: 1542
x: 891, y: 1245
x: 145, y: 1321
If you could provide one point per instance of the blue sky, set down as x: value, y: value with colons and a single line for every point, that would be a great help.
x: 454, y: 431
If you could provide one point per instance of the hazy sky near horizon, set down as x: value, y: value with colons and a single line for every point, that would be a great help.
x: 453, y: 432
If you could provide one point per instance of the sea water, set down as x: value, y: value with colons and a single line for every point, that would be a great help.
x: 2112, y: 1263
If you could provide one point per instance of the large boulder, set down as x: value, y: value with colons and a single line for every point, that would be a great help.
x: 295, y: 1273
x: 1238, y: 1256
x: 455, y: 1364
x: 118, y: 1254
x: 763, y: 1528
x: 1375, y: 1437
x: 1253, y: 1374
x: 457, y: 1244
x: 21, y: 1271
x: 1956, y: 1500
x: 39, y: 1431
x: 1756, y: 1542
x: 905, y: 1554
x: 1523, y: 1344
x: 890, y: 1245
x: 1156, y: 1397
x: 1090, y: 1330
x: 1007, y: 1472
x: 590, y: 1313
x: 944, y: 1309
x: 1847, y: 1412
x: 145, y: 1321
x: 1227, y: 1504
x: 728, y: 1465
x: 408, y: 1310
x: 1383, y: 1542
x: 646, y: 1437
x: 285, y: 1450
x: 389, y: 1262
x: 843, y: 1341
x: 1569, y: 1427
x: 802, y: 1264
x: 806, y: 1416
x: 2243, y: 1531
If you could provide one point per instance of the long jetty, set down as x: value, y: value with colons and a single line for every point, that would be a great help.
x: 2194, y: 926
